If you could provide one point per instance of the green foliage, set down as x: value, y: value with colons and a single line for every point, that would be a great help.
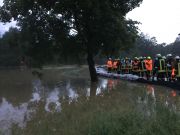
x: 47, y: 26
x: 176, y: 48
x: 10, y: 49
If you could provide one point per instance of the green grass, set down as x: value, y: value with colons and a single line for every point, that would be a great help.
x: 111, y: 114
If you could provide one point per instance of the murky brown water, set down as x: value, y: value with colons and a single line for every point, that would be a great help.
x: 20, y: 91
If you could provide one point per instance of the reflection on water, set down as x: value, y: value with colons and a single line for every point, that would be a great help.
x: 72, y: 95
x: 170, y: 102
x: 10, y: 115
x: 38, y: 90
x: 147, y: 102
x: 71, y: 90
x: 53, y: 98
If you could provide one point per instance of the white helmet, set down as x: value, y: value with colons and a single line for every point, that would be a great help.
x: 169, y: 55
x: 158, y: 55
x: 177, y: 57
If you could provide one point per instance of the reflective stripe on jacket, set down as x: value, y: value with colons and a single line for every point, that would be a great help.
x: 173, y: 72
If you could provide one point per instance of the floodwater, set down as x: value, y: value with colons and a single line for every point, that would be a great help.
x: 20, y: 91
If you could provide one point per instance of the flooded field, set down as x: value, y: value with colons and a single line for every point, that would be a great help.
x: 26, y: 101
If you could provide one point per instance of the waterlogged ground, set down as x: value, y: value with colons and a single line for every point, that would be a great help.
x: 64, y: 101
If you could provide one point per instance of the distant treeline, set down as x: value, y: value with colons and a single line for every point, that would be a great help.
x: 15, y: 51
x: 148, y: 46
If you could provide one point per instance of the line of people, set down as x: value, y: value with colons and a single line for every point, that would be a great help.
x: 163, y: 68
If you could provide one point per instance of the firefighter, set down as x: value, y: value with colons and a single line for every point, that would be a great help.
x: 177, y: 67
x: 169, y: 66
x: 156, y: 65
x: 122, y: 65
x: 109, y: 65
x: 115, y: 65
x: 119, y: 66
x: 159, y: 67
x: 149, y: 67
x: 135, y: 66
x: 128, y: 65
x: 142, y: 67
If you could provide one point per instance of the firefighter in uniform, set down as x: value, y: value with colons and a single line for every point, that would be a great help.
x: 119, y: 64
x: 125, y: 65
x: 128, y: 65
x: 177, y: 67
x: 169, y: 67
x: 149, y: 67
x: 159, y: 67
x: 115, y: 65
x: 109, y: 65
x: 142, y: 67
x: 135, y: 66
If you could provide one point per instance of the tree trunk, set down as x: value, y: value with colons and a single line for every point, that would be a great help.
x: 93, y: 88
x: 92, y: 69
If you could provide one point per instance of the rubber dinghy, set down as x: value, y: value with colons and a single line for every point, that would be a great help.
x: 101, y: 71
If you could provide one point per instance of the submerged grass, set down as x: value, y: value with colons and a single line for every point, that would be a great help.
x: 113, y: 113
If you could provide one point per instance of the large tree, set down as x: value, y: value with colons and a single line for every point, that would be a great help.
x: 90, y: 25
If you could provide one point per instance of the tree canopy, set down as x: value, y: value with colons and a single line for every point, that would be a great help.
x: 55, y: 26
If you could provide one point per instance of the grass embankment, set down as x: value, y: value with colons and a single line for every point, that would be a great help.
x: 114, y: 113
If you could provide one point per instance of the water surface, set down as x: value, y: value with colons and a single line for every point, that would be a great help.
x: 21, y: 93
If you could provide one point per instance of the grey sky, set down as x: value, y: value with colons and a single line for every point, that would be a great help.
x: 5, y: 27
x: 1, y: 2
x: 159, y: 18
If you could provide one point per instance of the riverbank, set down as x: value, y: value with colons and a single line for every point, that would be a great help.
x: 110, y: 113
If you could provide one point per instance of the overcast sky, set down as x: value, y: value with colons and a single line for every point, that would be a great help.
x: 3, y: 27
x: 159, y: 18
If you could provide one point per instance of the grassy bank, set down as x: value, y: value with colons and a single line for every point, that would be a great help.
x: 113, y: 113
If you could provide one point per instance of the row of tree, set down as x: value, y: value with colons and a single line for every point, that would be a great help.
x: 14, y: 49
x: 148, y: 46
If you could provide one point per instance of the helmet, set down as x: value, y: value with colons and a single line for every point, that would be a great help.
x: 110, y: 59
x: 177, y: 57
x: 144, y: 57
x: 164, y: 57
x: 158, y: 55
x: 148, y: 57
x: 141, y: 58
x: 169, y: 55
x: 135, y: 58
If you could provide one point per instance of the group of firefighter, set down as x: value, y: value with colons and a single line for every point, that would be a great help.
x: 165, y: 68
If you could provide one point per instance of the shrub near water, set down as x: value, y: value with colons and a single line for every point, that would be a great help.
x: 111, y: 114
